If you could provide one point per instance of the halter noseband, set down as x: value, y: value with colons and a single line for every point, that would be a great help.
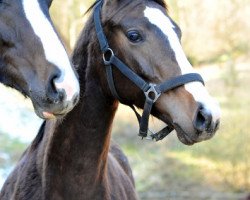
x: 152, y: 91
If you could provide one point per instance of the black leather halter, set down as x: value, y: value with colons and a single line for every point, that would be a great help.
x: 152, y: 91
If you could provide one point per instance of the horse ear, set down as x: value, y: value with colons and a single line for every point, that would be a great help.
x: 110, y: 1
x: 110, y: 6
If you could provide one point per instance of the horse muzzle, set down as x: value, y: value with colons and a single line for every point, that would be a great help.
x: 205, y: 126
x: 47, y: 108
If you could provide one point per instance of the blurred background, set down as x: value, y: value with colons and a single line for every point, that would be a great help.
x: 216, y: 39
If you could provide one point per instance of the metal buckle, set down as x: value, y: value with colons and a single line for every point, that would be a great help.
x: 149, y: 135
x: 107, y: 56
x: 151, y: 91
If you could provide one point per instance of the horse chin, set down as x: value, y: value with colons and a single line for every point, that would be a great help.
x: 183, y: 136
x: 51, y: 113
x: 190, y: 139
x: 49, y: 110
x: 46, y: 115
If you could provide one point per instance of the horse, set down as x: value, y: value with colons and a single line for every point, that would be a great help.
x: 33, y: 59
x: 74, y: 158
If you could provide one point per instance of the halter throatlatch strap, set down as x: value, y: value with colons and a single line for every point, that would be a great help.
x: 152, y: 91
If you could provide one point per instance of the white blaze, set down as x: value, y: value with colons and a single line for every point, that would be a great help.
x: 54, y: 51
x: 200, y: 94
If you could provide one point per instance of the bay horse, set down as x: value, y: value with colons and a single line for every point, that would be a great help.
x: 33, y: 60
x: 74, y: 158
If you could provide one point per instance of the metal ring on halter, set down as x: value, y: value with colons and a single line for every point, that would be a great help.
x: 150, y: 136
x: 107, y: 56
x: 151, y: 93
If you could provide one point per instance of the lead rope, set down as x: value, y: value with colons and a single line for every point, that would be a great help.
x: 152, y: 92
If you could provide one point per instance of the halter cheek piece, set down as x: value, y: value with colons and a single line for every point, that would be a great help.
x: 152, y: 91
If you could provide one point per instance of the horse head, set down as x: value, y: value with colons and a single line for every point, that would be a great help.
x: 143, y: 36
x: 33, y: 60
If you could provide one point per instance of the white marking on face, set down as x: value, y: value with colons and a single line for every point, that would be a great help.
x: 54, y: 51
x: 198, y: 91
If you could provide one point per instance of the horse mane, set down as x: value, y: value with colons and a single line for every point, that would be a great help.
x: 39, y: 136
x: 79, y: 55
x: 92, y: 6
x: 80, y: 52
x: 160, y: 2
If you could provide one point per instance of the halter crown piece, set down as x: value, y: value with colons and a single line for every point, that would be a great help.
x: 152, y: 91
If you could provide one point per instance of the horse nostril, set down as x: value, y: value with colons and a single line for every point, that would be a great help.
x: 60, y: 96
x: 54, y: 94
x: 203, y: 119
x: 52, y: 84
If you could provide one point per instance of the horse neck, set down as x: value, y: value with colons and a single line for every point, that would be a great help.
x: 79, y: 145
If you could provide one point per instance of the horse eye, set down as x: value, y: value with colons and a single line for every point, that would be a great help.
x: 134, y: 36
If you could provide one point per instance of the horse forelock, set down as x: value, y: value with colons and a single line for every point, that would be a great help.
x: 86, y: 37
x: 160, y: 2
x: 122, y: 4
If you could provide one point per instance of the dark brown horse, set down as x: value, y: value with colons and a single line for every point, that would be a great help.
x: 73, y: 158
x: 33, y: 59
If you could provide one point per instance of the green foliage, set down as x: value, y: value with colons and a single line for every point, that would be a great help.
x: 213, y: 31
x: 10, y: 150
x: 68, y: 18
x: 210, y: 29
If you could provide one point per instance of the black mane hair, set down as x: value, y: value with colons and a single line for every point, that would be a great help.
x: 160, y: 2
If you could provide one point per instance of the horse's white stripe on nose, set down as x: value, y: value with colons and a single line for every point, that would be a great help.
x: 198, y: 91
x: 157, y: 17
x: 201, y: 95
x: 54, y: 51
